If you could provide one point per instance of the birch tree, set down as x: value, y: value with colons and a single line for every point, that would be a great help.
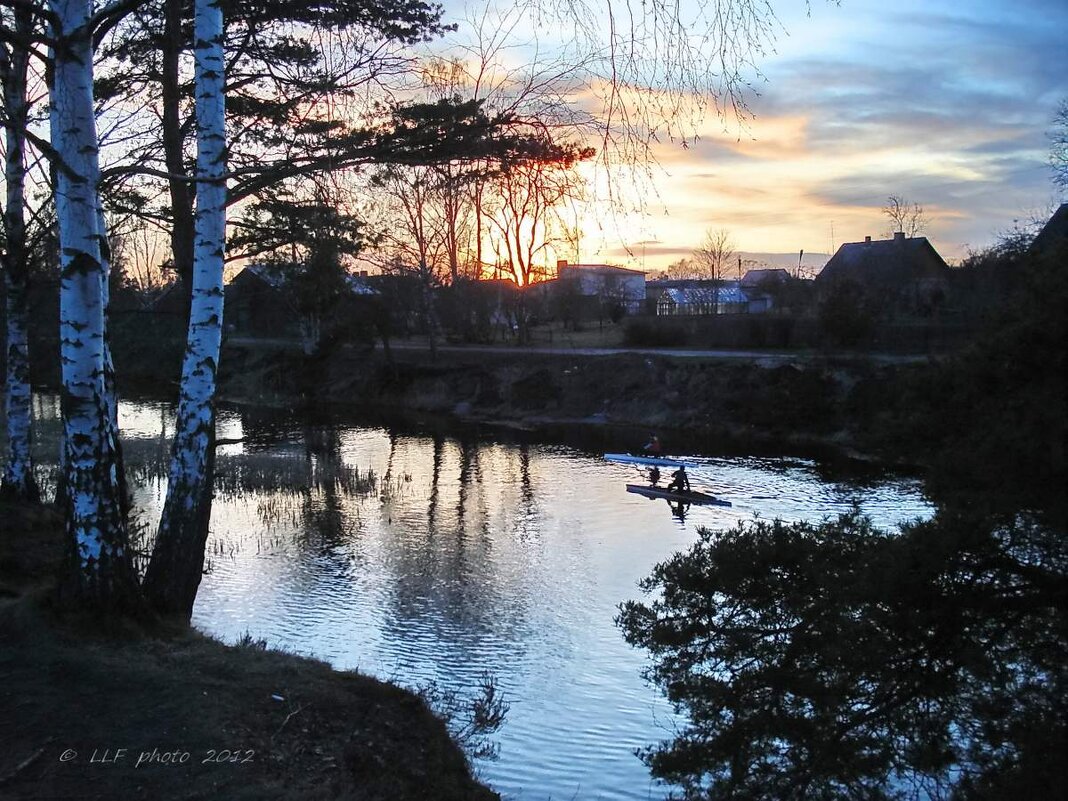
x: 94, y: 489
x: 177, y: 563
x: 18, y: 480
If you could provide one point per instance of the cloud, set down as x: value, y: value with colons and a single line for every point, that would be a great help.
x: 945, y: 103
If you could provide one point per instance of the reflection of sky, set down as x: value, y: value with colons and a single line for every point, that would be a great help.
x: 944, y: 102
x: 468, y: 557
x: 512, y: 560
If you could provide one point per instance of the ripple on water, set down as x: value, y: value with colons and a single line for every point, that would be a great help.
x: 472, y: 557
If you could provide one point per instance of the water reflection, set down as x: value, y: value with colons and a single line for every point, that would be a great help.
x: 427, y: 557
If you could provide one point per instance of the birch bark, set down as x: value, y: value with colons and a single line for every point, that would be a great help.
x: 101, y: 571
x: 177, y: 563
x: 18, y: 480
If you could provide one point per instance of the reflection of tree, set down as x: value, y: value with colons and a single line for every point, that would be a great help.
x: 435, y: 479
x: 838, y: 661
x: 448, y: 575
x: 322, y: 507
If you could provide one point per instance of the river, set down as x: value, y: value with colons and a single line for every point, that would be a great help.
x: 425, y: 557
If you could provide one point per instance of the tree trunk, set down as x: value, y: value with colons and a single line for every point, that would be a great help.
x: 182, y: 222
x: 177, y: 564
x: 101, y: 571
x: 18, y: 480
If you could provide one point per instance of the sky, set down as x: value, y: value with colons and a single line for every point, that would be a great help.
x: 947, y: 104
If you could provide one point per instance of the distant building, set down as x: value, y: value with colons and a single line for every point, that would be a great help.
x: 694, y: 298
x: 902, y: 274
x: 610, y: 284
x: 759, y: 279
x: 262, y: 300
x: 762, y: 287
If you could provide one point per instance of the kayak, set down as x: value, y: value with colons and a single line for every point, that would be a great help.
x: 688, y: 496
x: 651, y: 461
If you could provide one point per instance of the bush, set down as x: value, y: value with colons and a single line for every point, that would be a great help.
x: 837, y: 661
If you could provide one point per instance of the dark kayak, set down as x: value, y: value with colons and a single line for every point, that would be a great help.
x: 688, y: 496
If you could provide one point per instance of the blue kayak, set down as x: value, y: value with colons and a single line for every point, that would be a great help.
x: 651, y: 461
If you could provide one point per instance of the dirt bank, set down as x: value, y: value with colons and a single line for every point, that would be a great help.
x: 82, y: 705
x: 804, y: 407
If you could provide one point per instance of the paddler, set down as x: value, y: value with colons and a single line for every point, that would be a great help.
x: 653, y: 447
x: 680, y: 482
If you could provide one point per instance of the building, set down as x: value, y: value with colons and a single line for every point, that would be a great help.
x: 903, y: 274
x: 764, y: 278
x: 698, y: 299
x: 612, y: 286
x: 263, y: 300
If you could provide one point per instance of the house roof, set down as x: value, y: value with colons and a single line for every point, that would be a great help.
x: 270, y: 275
x: 1054, y: 231
x: 277, y: 277
x: 883, y: 261
x: 601, y: 269
x: 755, y: 277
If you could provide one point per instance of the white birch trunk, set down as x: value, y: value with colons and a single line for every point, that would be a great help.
x: 177, y: 563
x: 93, y: 502
x: 18, y: 480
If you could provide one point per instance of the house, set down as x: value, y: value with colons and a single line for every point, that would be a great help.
x: 612, y: 286
x: 760, y: 279
x: 264, y: 300
x: 257, y: 304
x: 903, y: 274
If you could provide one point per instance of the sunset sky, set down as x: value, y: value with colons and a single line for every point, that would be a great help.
x: 946, y: 103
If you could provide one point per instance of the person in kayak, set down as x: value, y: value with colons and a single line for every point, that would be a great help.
x: 653, y: 447
x: 680, y: 482
x: 654, y: 475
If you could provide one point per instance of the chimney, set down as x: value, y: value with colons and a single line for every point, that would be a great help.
x: 899, y: 236
x: 867, y: 239
x: 560, y: 264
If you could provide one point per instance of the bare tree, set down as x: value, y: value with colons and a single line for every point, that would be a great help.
x: 682, y: 270
x: 526, y: 213
x: 715, y: 253
x: 1058, y: 150
x: 905, y: 216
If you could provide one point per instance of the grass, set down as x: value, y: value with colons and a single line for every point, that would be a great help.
x: 205, y: 719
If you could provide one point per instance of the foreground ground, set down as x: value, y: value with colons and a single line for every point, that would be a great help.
x: 83, y: 705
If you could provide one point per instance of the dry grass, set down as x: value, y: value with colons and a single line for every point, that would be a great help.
x: 256, y: 724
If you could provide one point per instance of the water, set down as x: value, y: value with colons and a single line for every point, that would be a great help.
x: 427, y: 558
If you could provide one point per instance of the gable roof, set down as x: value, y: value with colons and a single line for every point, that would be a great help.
x: 600, y: 269
x: 884, y: 261
x: 1054, y: 232
x: 754, y: 277
x: 279, y: 276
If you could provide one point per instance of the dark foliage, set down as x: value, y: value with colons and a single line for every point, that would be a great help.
x: 837, y: 661
x: 847, y: 315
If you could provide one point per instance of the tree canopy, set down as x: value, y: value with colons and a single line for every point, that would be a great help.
x: 838, y: 661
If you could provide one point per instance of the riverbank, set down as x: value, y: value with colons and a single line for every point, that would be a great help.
x: 825, y: 407
x: 101, y: 712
